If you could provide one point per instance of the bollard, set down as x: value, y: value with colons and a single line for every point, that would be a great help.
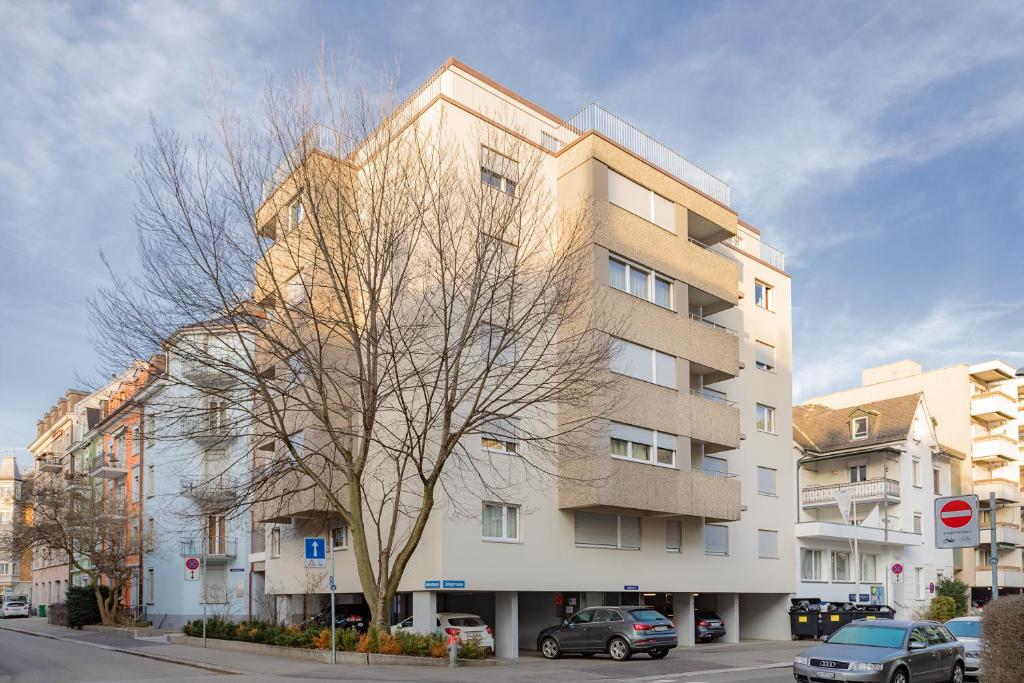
x: 453, y: 652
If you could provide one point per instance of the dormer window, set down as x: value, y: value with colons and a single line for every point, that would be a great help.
x: 296, y: 212
x: 859, y: 427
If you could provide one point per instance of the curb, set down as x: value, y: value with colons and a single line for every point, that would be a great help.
x: 135, y: 653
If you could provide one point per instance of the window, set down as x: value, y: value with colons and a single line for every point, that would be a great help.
x: 858, y: 473
x: 810, y: 564
x: 600, y: 530
x: 766, y: 481
x: 918, y: 582
x: 637, y: 199
x: 339, y: 537
x: 500, y: 435
x: 498, y: 171
x: 296, y: 212
x: 673, y: 536
x: 936, y: 481
x: 841, y: 566
x: 150, y: 534
x: 150, y: 429
x: 916, y: 464
x: 641, y: 282
x: 136, y: 441
x: 295, y: 289
x: 868, y: 568
x: 275, y: 542
x: 764, y: 357
x: 643, y: 445
x: 765, y: 419
x: 764, y: 296
x: 150, y: 592
x: 768, y: 544
x: 497, y: 345
x: 119, y: 446
x: 716, y: 539
x: 5, y: 568
x: 859, y: 427
x: 150, y: 482
x: 640, y: 362
x: 500, y: 522
x: 136, y: 482
x: 918, y: 522
x: 716, y: 467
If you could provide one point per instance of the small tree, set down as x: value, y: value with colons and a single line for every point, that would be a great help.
x: 956, y: 590
x: 1002, y: 640
x: 942, y: 608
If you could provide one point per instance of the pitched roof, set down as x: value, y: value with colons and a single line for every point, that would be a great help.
x: 820, y: 428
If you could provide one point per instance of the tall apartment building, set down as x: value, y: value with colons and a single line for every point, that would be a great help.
x: 977, y: 413
x: 689, y: 501
x: 885, y: 456
x: 15, y: 570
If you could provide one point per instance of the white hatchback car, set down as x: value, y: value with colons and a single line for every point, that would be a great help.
x: 461, y: 624
x: 968, y: 631
x: 14, y: 609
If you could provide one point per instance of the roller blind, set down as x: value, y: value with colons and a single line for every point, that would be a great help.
x: 632, y: 360
x: 665, y: 369
x: 594, y: 528
x: 673, y: 535
x: 766, y: 481
x: 716, y: 539
x: 630, y: 532
x: 765, y: 356
x: 767, y: 543
x: 631, y: 196
x: 663, y: 212
x: 634, y: 434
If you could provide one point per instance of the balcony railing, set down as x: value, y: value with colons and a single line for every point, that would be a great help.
x: 216, y: 548
x: 712, y: 323
x: 596, y: 118
x: 107, y: 465
x: 207, y: 427
x: 218, y: 488
x: 714, y: 396
x: 866, y: 491
x: 51, y: 463
x: 711, y: 250
x: 772, y: 256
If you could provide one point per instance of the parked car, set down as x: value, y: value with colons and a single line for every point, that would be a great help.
x: 884, y: 651
x: 14, y: 609
x: 344, y: 617
x: 619, y: 631
x: 968, y: 631
x: 707, y: 625
x: 465, y: 626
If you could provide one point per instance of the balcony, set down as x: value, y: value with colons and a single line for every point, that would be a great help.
x: 211, y: 428
x: 993, y: 406
x: 113, y: 505
x: 106, y: 465
x: 870, y: 491
x: 997, y: 447
x: 50, y: 462
x: 206, y: 370
x: 1006, y: 491
x: 1009, y: 536
x: 216, y: 549
x: 1006, y: 576
x: 211, y: 490
x: 714, y: 420
x: 838, y: 531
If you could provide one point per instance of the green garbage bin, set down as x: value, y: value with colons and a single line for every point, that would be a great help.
x: 42, y: 610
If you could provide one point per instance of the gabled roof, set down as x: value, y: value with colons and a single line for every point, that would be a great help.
x: 822, y: 429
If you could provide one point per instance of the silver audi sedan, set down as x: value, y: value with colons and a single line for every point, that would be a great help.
x: 884, y: 651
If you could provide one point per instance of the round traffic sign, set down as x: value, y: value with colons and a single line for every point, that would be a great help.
x: 191, y: 564
x: 956, y: 513
x: 897, y: 569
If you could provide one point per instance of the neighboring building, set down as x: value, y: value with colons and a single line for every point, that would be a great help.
x: 54, y: 436
x: 885, y: 456
x: 977, y: 412
x: 15, y: 571
x: 670, y: 523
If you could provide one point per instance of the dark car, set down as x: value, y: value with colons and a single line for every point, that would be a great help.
x: 707, y: 625
x: 619, y: 631
x: 884, y: 651
x: 343, y: 618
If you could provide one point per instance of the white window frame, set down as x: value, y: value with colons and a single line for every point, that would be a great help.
x: 915, y: 469
x: 769, y: 422
x: 766, y: 367
x: 653, y: 363
x: 618, y: 534
x: 775, y: 481
x: 817, y: 561
x: 717, y: 554
x: 937, y: 481
x: 855, y: 426
x: 849, y: 566
x: 504, y: 538
x: 769, y: 295
x: 650, y: 214
x: 857, y: 473
x: 918, y: 523
x: 653, y: 447
x: 343, y: 528
x: 296, y: 212
x: 150, y: 587
x: 275, y: 542
x: 872, y: 576
x: 505, y: 183
x: 501, y: 441
x: 651, y: 277
x: 150, y: 482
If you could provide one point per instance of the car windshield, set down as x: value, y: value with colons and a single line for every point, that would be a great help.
x: 965, y: 629
x: 466, y: 621
x: 15, y: 604
x: 647, y: 615
x: 873, y: 636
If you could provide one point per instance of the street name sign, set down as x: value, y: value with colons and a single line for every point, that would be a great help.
x: 956, y: 522
x: 316, y: 553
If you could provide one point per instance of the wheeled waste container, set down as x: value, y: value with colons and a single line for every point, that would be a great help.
x: 804, y: 616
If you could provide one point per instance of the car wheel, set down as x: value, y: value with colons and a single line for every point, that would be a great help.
x: 900, y: 676
x: 618, y: 648
x: 657, y: 653
x: 550, y: 649
x: 958, y: 673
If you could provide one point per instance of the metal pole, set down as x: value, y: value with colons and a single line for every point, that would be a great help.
x: 856, y: 549
x: 994, y: 557
x: 203, y: 588
x: 334, y: 641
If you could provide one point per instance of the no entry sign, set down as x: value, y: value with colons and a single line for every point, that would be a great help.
x: 956, y: 522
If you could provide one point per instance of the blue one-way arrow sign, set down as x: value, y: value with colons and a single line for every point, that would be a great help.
x: 316, y: 553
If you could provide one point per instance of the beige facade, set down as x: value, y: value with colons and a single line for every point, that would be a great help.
x: 977, y: 413
x: 691, y: 469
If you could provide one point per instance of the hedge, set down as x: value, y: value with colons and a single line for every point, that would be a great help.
x: 1002, y: 640
x: 347, y: 640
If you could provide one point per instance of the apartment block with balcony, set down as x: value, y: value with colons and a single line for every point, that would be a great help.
x: 683, y: 489
x: 977, y: 413
x: 15, y: 570
x: 868, y: 475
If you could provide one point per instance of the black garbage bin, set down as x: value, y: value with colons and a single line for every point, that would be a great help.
x: 835, y: 617
x: 804, y: 617
x: 873, y: 612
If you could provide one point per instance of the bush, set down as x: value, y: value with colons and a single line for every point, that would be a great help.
x: 348, y: 639
x: 413, y: 644
x: 942, y: 608
x: 1002, y: 639
x: 215, y: 628
x: 956, y: 590
x: 472, y: 649
x: 81, y: 605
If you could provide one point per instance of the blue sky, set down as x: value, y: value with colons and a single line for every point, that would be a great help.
x: 878, y: 143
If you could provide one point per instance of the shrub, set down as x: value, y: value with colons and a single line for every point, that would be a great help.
x: 942, y: 608
x: 323, y: 640
x: 957, y: 590
x: 472, y: 649
x: 215, y: 628
x: 1002, y: 639
x: 368, y: 642
x: 413, y: 644
x: 348, y: 639
x: 439, y: 648
x: 387, y: 644
x: 81, y: 605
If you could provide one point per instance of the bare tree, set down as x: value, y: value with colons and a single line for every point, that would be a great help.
x: 91, y: 529
x: 388, y: 285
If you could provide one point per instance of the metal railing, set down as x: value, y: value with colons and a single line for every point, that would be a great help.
x: 713, y: 396
x: 595, y: 117
x: 134, y: 614
x: 772, y: 256
x: 871, y: 489
x: 209, y: 488
x: 712, y: 323
x: 711, y: 249
x: 106, y: 459
x: 218, y: 546
x: 718, y: 474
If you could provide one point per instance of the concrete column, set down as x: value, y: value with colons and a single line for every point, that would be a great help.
x: 424, y: 611
x: 506, y: 624
x: 682, y: 605
x: 729, y: 610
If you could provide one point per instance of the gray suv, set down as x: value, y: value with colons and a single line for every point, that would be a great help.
x: 884, y: 651
x: 619, y: 631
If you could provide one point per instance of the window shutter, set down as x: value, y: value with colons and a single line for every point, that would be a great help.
x: 765, y: 355
x: 665, y: 369
x: 663, y: 212
x: 594, y: 528
x: 715, y: 465
x: 673, y: 535
x: 767, y: 543
x: 766, y: 481
x: 716, y: 539
x: 630, y: 532
x: 631, y: 196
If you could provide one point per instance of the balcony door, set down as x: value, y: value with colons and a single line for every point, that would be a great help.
x: 216, y: 534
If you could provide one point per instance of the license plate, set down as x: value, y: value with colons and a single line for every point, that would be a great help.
x: 825, y: 674
x: 661, y: 628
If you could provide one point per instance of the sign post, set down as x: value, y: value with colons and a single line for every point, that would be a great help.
x: 316, y: 553
x: 993, y: 559
x: 956, y: 522
x: 334, y: 640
